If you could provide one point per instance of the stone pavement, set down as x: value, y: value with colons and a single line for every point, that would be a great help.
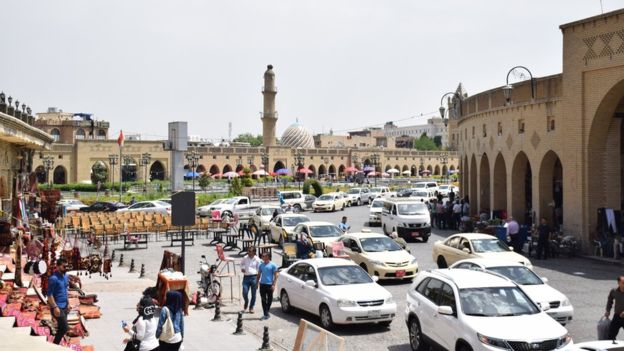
x: 118, y: 297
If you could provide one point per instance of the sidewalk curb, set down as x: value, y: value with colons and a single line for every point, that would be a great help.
x: 603, y: 260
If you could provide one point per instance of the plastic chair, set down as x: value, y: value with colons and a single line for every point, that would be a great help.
x: 215, y: 216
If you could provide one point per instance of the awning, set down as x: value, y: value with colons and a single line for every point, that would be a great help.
x: 15, y: 131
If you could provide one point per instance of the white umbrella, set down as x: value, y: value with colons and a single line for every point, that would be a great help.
x: 406, y: 172
x: 393, y: 170
x: 260, y: 172
x: 230, y: 174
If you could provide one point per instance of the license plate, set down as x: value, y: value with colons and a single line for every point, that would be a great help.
x: 415, y: 234
x: 400, y: 273
x: 374, y: 314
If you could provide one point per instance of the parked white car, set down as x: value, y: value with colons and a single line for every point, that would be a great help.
x: 336, y: 290
x: 381, y: 191
x: 282, y: 228
x: 374, y: 217
x: 148, y: 206
x: 559, y: 307
x: 359, y: 196
x: 422, y: 195
x: 206, y: 210
x: 319, y: 232
x: 460, y: 309
x: 295, y: 198
x: 262, y: 217
x: 329, y: 202
x: 71, y: 204
x: 445, y: 189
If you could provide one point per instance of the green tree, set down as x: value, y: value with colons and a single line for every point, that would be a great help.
x: 236, y: 188
x: 204, y: 181
x: 249, y: 138
x: 438, y: 141
x: 425, y: 143
x: 99, y: 173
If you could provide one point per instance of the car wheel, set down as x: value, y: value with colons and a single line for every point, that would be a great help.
x: 425, y: 239
x: 334, y: 208
x: 385, y: 324
x: 285, y: 302
x: 384, y: 229
x: 343, y: 207
x: 442, y: 262
x: 297, y: 208
x: 359, y: 202
x: 417, y: 342
x: 464, y: 347
x: 364, y: 267
x: 326, y: 317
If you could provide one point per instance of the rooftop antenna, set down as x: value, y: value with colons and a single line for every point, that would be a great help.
x: 601, y: 8
x: 230, y: 131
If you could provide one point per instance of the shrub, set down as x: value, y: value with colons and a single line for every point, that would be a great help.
x: 235, y: 187
x: 318, y: 190
x: 204, y: 181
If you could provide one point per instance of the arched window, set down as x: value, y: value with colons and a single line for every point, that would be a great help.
x: 60, y: 175
x: 56, y: 134
x: 80, y: 134
x: 101, y: 134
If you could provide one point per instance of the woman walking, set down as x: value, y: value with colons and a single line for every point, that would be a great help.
x: 170, y: 331
x: 143, y: 331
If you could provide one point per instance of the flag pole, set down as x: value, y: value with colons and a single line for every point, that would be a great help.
x: 120, y: 141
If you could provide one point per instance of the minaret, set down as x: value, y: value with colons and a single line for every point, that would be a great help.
x: 269, y: 115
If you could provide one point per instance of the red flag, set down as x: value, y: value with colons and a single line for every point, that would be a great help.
x: 120, y: 140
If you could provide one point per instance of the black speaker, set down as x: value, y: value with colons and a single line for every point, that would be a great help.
x: 183, y: 208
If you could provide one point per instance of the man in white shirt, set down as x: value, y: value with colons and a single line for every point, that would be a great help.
x: 457, y: 210
x: 249, y: 267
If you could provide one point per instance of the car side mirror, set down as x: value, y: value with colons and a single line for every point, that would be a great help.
x: 445, y: 310
x: 375, y: 278
x: 545, y: 280
x: 466, y: 250
x: 311, y: 283
x: 356, y: 249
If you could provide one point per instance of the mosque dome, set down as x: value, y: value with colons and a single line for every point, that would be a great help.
x: 298, y: 136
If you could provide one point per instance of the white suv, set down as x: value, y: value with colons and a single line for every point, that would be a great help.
x: 294, y: 198
x: 359, y: 196
x: 460, y: 309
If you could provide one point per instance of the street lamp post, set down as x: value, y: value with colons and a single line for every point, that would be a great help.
x: 508, y: 87
x: 443, y: 158
x: 48, y: 163
x: 193, y: 158
x: 126, y: 162
x: 375, y: 159
x: 265, y: 162
x: 145, y: 161
x: 442, y: 109
x: 299, y: 160
x: 112, y: 160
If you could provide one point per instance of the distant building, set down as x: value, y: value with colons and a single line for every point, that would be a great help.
x: 434, y: 128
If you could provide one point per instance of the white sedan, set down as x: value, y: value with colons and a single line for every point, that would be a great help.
x: 336, y: 290
x: 330, y: 202
x: 148, y: 206
x: 71, y: 204
x: 283, y: 225
x: 550, y: 299
x: 204, y: 211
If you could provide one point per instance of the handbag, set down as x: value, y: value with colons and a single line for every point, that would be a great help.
x: 133, y: 345
x: 167, y: 331
x: 603, y: 328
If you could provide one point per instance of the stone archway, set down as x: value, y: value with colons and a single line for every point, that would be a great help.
x: 436, y: 170
x: 500, y: 183
x: 430, y: 169
x: 313, y: 169
x: 60, y: 175
x: 129, y: 171
x: 332, y: 170
x: 444, y: 171
x: 200, y: 169
x: 551, y: 189
x: 157, y: 171
x: 405, y: 168
x: 239, y: 168
x: 484, y: 184
x: 227, y: 168
x: 278, y: 165
x: 42, y: 176
x: 214, y: 169
x: 322, y: 170
x: 341, y: 170
x: 387, y: 168
x: 414, y: 171
x: 522, y: 189
x: 473, y: 185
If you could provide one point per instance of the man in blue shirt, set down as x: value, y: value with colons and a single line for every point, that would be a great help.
x: 267, y: 277
x: 58, y: 283
x: 343, y: 225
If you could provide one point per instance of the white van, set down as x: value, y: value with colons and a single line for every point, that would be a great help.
x: 294, y: 198
x: 408, y: 217
x: 429, y: 185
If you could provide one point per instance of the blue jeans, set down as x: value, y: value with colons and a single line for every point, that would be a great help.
x: 249, y: 282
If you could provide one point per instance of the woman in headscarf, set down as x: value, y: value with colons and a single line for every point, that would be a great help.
x: 144, y: 328
x: 172, y: 309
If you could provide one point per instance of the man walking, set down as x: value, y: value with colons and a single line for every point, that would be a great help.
x: 343, y: 225
x: 267, y: 277
x: 513, y: 229
x: 58, y: 284
x: 543, y: 239
x: 616, y: 300
x: 249, y: 266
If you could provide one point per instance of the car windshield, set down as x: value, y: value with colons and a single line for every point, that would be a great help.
x: 269, y: 211
x: 326, y: 197
x: 353, y: 191
x: 375, y: 190
x: 137, y: 205
x: 230, y: 201
x: 519, y: 274
x: 380, y: 244
x: 377, y: 204
x: 325, y: 231
x: 412, y: 209
x: 216, y: 202
x: 421, y: 194
x: 293, y: 221
x: 421, y: 185
x: 489, y: 245
x: 443, y: 187
x: 344, y: 275
x: 162, y: 203
x: 496, y: 302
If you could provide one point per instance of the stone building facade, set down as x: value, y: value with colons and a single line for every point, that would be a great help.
x: 557, y: 154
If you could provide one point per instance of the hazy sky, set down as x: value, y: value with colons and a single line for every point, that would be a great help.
x: 339, y: 64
